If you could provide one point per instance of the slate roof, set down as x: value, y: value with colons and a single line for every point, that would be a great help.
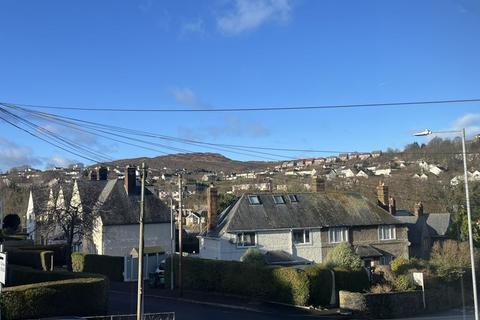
x: 312, y: 210
x: 280, y: 257
x: 427, y: 225
x: 367, y: 252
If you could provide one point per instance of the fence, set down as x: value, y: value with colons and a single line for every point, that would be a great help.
x: 146, y: 316
x: 150, y: 263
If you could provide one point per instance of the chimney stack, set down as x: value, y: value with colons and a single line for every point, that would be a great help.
x: 382, y: 196
x: 212, y: 207
x: 92, y: 175
x: 318, y: 184
x: 392, y: 206
x: 130, y: 179
x: 418, y: 209
x: 102, y: 173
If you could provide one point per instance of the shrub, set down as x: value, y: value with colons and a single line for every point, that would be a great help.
x: 59, y: 252
x: 320, y: 279
x: 354, y: 281
x: 285, y: 285
x: 381, y: 288
x: 253, y: 256
x: 109, y: 266
x: 41, y: 260
x: 343, y: 256
x: 20, y: 275
x: 398, y: 264
x: 450, y: 258
x: 404, y: 282
x: 86, y: 296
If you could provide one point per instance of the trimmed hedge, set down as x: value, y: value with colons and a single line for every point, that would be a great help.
x: 59, y: 252
x: 109, y: 266
x: 85, y: 296
x: 320, y: 279
x: 353, y: 281
x: 20, y: 275
x: 41, y: 260
x: 287, y: 285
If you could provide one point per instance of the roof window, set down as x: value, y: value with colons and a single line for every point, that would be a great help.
x: 292, y: 198
x: 254, y: 199
x: 278, y: 199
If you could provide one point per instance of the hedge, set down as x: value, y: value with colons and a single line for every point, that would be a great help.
x: 287, y: 285
x: 109, y: 266
x: 20, y: 275
x: 59, y: 252
x: 320, y: 279
x: 41, y: 260
x: 79, y: 297
x: 353, y: 281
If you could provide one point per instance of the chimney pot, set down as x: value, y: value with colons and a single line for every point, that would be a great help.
x: 382, y: 195
x: 418, y: 209
x: 392, y: 206
x: 318, y: 184
x: 102, y: 173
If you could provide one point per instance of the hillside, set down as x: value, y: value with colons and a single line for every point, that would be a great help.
x: 195, y: 162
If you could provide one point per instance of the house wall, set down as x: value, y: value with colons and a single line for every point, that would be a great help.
x: 369, y: 236
x: 119, y: 240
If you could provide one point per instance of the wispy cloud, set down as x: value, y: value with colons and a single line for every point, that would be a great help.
x: 187, y: 97
x: 471, y: 123
x: 13, y: 155
x: 247, y: 15
x: 58, y: 161
x: 193, y: 27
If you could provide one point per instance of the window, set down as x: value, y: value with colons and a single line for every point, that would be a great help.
x: 301, y: 236
x: 385, y: 260
x: 254, y: 199
x: 246, y: 239
x: 292, y: 198
x: 278, y: 199
x: 386, y: 233
x: 336, y: 235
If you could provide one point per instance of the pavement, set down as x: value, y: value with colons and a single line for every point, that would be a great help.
x: 200, y: 305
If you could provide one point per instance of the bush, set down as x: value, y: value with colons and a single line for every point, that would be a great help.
x: 109, y: 266
x: 404, y: 282
x: 450, y: 258
x: 320, y: 280
x: 353, y: 281
x: 86, y: 296
x: 343, y: 256
x: 381, y: 288
x: 59, y: 252
x: 399, y: 264
x: 20, y: 275
x: 253, y: 256
x: 41, y: 260
x: 285, y: 285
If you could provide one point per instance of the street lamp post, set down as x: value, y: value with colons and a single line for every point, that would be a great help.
x: 427, y: 132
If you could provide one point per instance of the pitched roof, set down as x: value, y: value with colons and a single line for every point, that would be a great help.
x: 312, y: 210
x: 429, y: 224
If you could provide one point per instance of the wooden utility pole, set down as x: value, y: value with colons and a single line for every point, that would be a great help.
x: 180, y: 232
x: 140, y: 248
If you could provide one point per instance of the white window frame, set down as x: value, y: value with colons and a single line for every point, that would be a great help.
x: 275, y: 199
x: 332, y: 235
x: 241, y: 242
x: 252, y: 197
x: 392, y: 232
x: 305, y: 231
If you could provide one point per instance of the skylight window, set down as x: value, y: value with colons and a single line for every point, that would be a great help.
x: 278, y: 199
x: 292, y: 198
x: 253, y: 199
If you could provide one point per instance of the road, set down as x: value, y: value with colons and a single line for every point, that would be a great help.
x: 456, y: 314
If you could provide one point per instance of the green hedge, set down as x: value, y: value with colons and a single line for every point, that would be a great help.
x: 320, y: 279
x: 20, y: 275
x: 109, y: 266
x: 41, y: 260
x: 287, y: 285
x: 354, y: 281
x: 59, y: 252
x: 79, y: 297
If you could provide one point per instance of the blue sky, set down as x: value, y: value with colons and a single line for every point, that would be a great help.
x: 241, y: 53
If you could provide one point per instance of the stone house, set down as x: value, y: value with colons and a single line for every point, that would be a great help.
x: 114, y: 206
x: 305, y: 226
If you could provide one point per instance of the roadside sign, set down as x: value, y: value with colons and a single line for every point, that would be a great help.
x: 3, y: 267
x: 418, y: 279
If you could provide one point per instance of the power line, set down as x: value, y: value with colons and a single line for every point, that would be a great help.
x: 249, y: 109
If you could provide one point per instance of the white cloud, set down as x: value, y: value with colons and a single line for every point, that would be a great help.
x: 58, y: 161
x: 13, y: 155
x: 187, y: 97
x: 250, y: 14
x: 471, y: 123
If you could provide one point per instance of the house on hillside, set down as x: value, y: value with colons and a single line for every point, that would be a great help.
x: 305, y: 227
x: 114, y: 206
x: 376, y: 153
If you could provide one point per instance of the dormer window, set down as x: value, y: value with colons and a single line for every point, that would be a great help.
x: 254, y: 199
x: 278, y: 199
x: 292, y: 198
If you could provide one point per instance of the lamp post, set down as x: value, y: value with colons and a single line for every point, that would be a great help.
x: 427, y: 132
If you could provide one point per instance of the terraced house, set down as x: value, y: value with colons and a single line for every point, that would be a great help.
x: 304, y: 227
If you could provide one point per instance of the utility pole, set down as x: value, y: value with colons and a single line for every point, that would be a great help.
x: 140, y: 248
x: 172, y: 245
x: 180, y: 231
